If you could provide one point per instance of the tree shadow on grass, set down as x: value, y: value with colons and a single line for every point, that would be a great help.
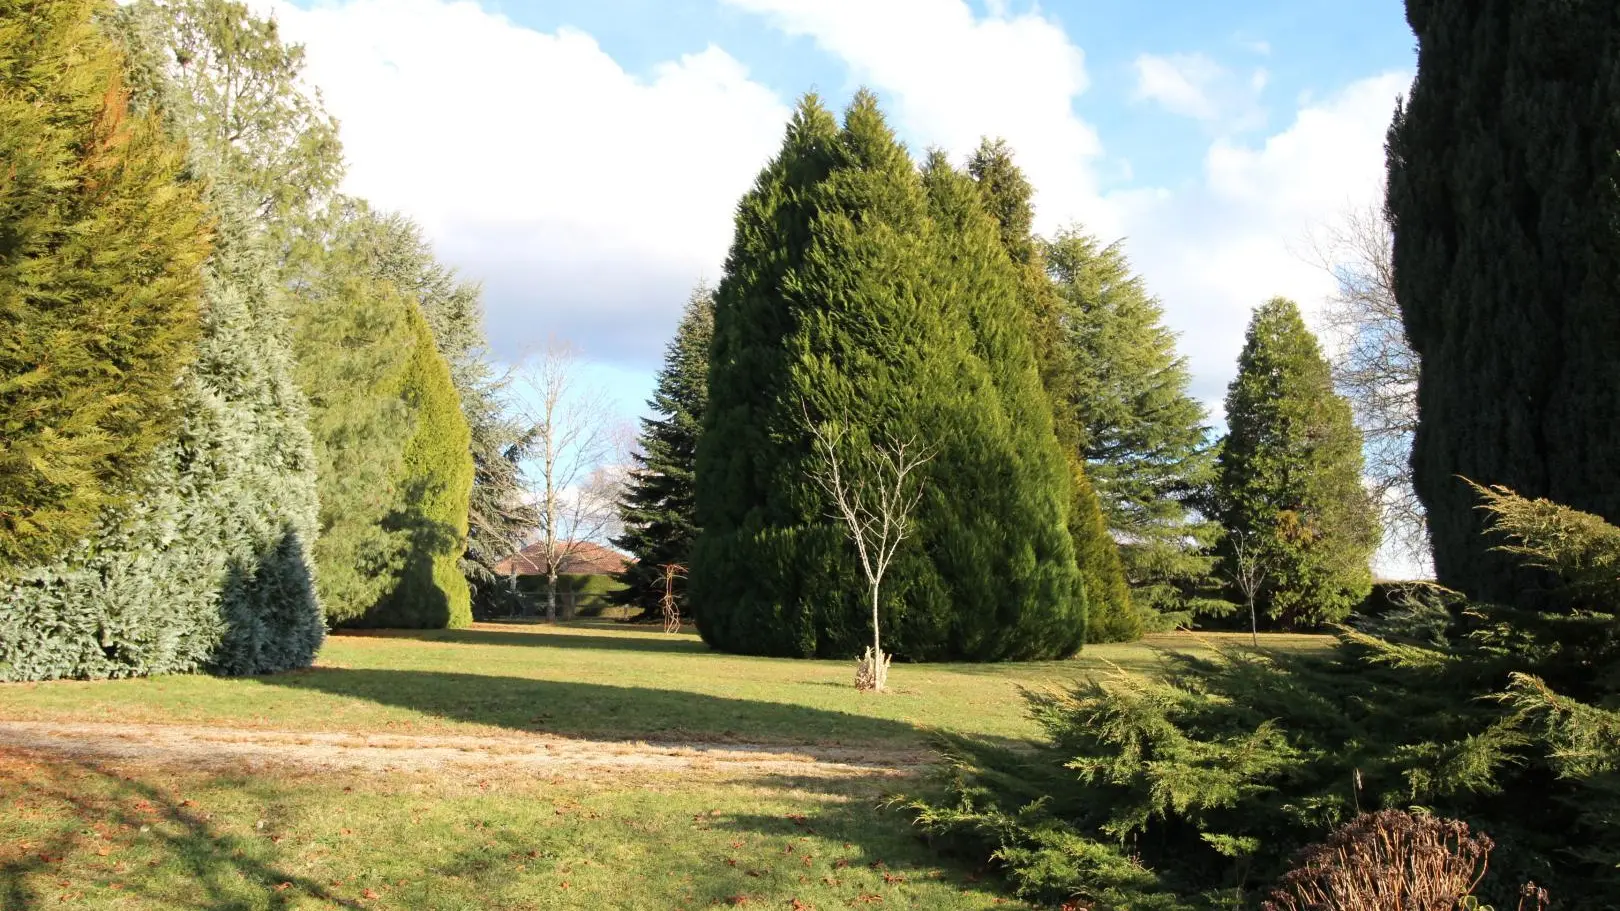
x: 539, y: 636
x: 600, y: 712
x: 218, y: 865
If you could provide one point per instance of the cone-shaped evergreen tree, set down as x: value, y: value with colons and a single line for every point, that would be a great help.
x: 1008, y: 196
x: 429, y: 518
x: 353, y: 341
x: 1504, y: 198
x: 102, y: 236
x: 659, y: 504
x: 1288, y: 482
x: 845, y: 302
x: 1141, y: 430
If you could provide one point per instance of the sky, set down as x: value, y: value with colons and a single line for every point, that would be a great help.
x: 582, y: 159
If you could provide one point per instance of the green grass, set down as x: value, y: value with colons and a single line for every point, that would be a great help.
x: 594, y: 680
x: 94, y: 834
x: 88, y: 836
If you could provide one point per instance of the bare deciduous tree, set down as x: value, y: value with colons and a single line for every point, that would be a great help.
x: 874, y: 488
x: 1374, y: 366
x: 569, y: 471
x: 1248, y: 572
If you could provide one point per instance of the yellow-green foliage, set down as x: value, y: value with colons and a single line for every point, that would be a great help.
x: 102, y: 237
x: 431, y: 514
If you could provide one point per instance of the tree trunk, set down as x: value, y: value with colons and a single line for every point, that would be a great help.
x: 551, y: 597
x: 1254, y: 623
x: 877, y: 645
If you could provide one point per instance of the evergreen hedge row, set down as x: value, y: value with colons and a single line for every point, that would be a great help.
x: 207, y: 567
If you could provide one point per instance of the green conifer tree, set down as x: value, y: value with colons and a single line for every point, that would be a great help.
x: 659, y: 504
x: 353, y: 341
x: 1008, y: 196
x: 453, y: 308
x: 102, y: 236
x: 209, y: 569
x: 1142, y: 432
x: 429, y: 517
x: 1288, y: 486
x: 238, y: 89
x: 845, y: 302
x: 1504, y: 198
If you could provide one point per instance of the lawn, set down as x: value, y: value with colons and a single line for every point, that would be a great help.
x: 595, y: 680
x: 79, y: 829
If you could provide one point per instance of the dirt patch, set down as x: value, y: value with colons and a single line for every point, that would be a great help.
x: 225, y: 747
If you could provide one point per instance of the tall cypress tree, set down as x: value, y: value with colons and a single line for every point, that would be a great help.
x: 454, y: 314
x: 1142, y: 432
x: 1288, y: 486
x: 845, y: 301
x: 102, y: 235
x: 740, y: 488
x: 1008, y: 197
x: 1504, y: 198
x: 659, y: 503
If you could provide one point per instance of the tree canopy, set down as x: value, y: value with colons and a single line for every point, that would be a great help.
x: 102, y: 237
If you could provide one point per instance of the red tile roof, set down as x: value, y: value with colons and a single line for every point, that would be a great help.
x: 585, y: 559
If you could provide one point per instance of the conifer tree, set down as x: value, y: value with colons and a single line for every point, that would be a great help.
x: 1142, y: 432
x: 392, y: 493
x: 845, y: 303
x: 659, y: 504
x: 453, y: 309
x: 1288, y: 483
x: 1504, y: 198
x: 210, y: 568
x: 102, y: 236
x: 429, y: 517
x: 353, y: 341
x: 238, y: 90
x: 1008, y: 197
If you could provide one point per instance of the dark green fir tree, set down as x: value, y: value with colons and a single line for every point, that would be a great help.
x: 1504, y: 200
x: 1142, y: 433
x: 659, y: 504
x: 1288, y: 488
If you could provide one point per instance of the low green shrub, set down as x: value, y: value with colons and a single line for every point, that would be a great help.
x: 1195, y: 789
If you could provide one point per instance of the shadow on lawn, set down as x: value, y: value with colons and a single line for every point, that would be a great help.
x: 600, y: 712
x: 219, y: 865
x: 543, y: 636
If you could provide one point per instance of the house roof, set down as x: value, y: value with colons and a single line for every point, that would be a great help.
x: 584, y: 559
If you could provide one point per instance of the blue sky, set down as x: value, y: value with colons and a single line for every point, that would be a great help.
x: 581, y: 158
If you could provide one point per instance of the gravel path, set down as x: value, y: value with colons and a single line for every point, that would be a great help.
x: 226, y: 747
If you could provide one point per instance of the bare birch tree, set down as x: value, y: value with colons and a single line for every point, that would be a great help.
x: 874, y: 489
x: 568, y: 471
x: 1374, y: 366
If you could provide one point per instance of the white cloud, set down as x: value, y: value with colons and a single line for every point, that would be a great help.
x: 587, y: 199
x: 1214, y: 251
x: 948, y: 77
x: 1196, y: 86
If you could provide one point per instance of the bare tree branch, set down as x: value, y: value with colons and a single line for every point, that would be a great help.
x: 874, y: 490
x: 1374, y: 366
